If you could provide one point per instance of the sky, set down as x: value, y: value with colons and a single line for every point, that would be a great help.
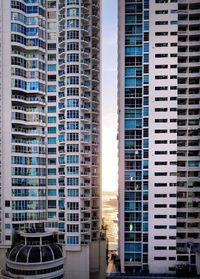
x: 109, y: 95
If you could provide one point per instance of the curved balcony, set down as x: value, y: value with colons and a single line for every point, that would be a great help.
x: 84, y: 18
x: 61, y: 52
x: 84, y: 30
x: 84, y: 120
x: 84, y: 8
x: 61, y: 96
x: 85, y: 96
x: 61, y: 18
x: 85, y: 41
x: 27, y: 132
x: 84, y: 86
x: 84, y: 108
x: 85, y: 53
x: 61, y: 63
x: 61, y: 8
x: 85, y: 185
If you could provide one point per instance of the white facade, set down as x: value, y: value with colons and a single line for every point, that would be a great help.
x: 158, y: 94
x: 162, y: 116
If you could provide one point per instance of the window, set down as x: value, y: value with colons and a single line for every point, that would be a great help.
x: 161, y: 34
x: 160, y: 173
x: 160, y: 216
x: 160, y: 237
x: 51, y: 204
x: 161, y: 99
x: 72, y: 206
x: 51, y: 4
x: 72, y: 217
x: 7, y: 237
x: 7, y: 203
x: 51, y: 67
x: 160, y: 195
x: 51, y: 109
x: 160, y: 152
x: 72, y: 23
x: 72, y: 192
x: 161, y: 109
x: 51, y: 192
x: 160, y: 184
x: 72, y: 228
x: 72, y: 240
x: 52, y: 140
x: 160, y: 248
x: 161, y: 55
x: 51, y: 130
x: 51, y: 119
x: 51, y: 14
x: 160, y: 227
x: 51, y: 57
x: 160, y: 163
x: 161, y: 22
x: 161, y: 1
x: 162, y: 88
x: 161, y: 44
x: 51, y: 88
x: 51, y: 182
x: 51, y: 99
x: 173, y: 22
x: 51, y: 171
x: 160, y: 205
x: 161, y: 11
x: 72, y: 181
x: 161, y: 77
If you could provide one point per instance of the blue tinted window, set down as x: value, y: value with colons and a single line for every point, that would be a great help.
x: 51, y: 214
x: 133, y: 247
x: 52, y: 171
x: 51, y: 88
x: 146, y: 58
x: 72, y: 240
x: 51, y: 140
x: 146, y: 25
x: 145, y: 111
x: 52, y: 192
x: 51, y: 67
x: 146, y: 47
x: 146, y: 14
x: 145, y: 227
x: 51, y: 130
x: 145, y: 143
x: 51, y: 119
x: 132, y: 82
x: 130, y: 123
x: 51, y: 181
x: 51, y: 109
x: 146, y: 79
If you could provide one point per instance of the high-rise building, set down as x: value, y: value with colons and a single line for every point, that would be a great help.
x: 50, y: 124
x: 159, y: 139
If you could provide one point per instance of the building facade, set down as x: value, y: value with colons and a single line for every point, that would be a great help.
x: 158, y: 105
x: 50, y: 121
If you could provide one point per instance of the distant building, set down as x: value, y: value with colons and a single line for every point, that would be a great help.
x: 159, y: 139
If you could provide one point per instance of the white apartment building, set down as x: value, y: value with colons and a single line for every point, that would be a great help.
x: 158, y: 105
x: 50, y: 125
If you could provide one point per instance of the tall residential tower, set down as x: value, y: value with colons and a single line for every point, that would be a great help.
x: 159, y: 139
x: 50, y: 124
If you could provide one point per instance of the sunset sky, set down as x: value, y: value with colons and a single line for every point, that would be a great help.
x: 109, y: 98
